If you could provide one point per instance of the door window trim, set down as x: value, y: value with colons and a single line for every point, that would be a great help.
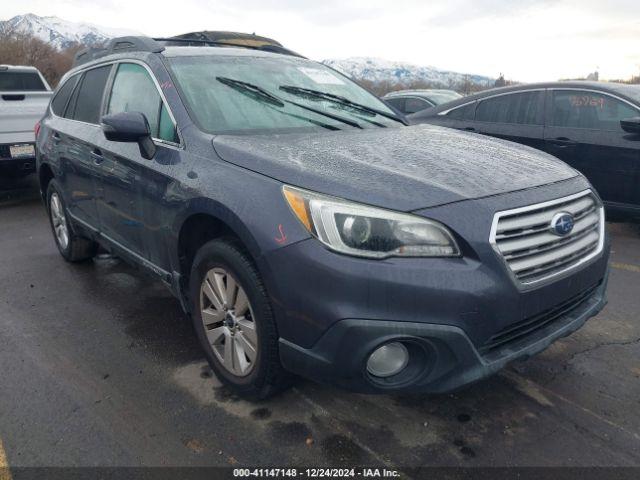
x: 108, y: 87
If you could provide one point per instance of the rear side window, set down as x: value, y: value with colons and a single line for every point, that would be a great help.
x: 59, y: 102
x: 21, y: 82
x: 86, y: 102
x: 590, y: 110
x: 466, y: 112
x: 414, y: 105
x: 517, y: 108
x: 397, y: 103
x: 134, y: 91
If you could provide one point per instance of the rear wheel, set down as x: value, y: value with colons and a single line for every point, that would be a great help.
x: 72, y: 247
x: 234, y: 321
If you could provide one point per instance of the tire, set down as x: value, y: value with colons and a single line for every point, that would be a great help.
x: 228, y: 329
x: 76, y: 248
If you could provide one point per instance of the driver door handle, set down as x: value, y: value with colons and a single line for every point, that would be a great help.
x: 96, y: 154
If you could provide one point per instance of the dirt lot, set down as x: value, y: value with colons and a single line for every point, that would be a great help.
x: 99, y: 367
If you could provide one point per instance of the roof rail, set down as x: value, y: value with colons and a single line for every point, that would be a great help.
x: 197, y: 39
x: 117, y: 45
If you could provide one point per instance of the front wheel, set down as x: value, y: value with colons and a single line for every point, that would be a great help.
x: 234, y: 321
x: 72, y: 247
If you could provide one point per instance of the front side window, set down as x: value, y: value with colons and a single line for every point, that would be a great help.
x: 262, y: 94
x: 589, y: 110
x: 516, y: 108
x: 86, y: 103
x: 134, y: 91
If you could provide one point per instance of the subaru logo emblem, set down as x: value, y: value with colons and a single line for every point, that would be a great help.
x: 562, y: 224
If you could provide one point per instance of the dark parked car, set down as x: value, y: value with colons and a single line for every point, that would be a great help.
x: 306, y: 229
x: 412, y: 101
x: 594, y: 127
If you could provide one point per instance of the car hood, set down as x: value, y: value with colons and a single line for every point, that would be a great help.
x: 403, y: 169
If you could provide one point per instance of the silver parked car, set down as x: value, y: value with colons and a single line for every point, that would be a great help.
x: 412, y: 101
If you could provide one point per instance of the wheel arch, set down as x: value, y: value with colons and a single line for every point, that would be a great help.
x: 45, y: 175
x: 205, y: 220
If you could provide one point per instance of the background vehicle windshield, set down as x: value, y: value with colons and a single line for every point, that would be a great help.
x: 442, y: 97
x: 219, y: 107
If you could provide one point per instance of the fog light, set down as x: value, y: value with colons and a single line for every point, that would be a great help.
x: 388, y: 360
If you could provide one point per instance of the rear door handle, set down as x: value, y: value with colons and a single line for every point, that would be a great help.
x: 96, y: 154
x: 469, y: 129
x: 563, y: 142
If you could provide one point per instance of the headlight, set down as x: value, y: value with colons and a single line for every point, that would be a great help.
x: 364, y: 231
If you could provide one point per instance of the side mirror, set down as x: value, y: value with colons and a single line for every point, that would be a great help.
x: 130, y: 127
x: 631, y: 125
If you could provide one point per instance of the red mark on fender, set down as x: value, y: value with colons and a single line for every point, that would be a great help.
x: 283, y: 237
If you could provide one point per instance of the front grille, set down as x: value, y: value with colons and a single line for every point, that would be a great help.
x: 533, y: 253
x: 530, y: 325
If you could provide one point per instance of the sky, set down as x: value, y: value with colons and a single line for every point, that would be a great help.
x: 526, y: 40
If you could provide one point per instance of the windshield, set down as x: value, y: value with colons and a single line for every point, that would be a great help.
x: 248, y: 94
x: 443, y: 97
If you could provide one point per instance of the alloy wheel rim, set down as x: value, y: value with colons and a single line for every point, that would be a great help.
x: 228, y: 322
x: 59, y: 221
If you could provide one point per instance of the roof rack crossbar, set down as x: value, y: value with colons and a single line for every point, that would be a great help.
x: 193, y: 42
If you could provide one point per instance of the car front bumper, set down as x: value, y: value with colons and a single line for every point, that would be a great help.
x: 447, y: 358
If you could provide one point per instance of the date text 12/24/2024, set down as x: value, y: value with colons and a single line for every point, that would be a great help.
x: 316, y: 472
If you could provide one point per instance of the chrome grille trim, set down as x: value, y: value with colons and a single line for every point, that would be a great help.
x: 533, y: 254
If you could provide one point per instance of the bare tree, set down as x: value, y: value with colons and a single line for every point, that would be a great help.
x: 23, y: 49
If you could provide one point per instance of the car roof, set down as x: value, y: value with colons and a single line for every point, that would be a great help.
x: 217, y: 51
x: 17, y: 68
x: 619, y: 89
x: 401, y: 93
x: 174, y: 52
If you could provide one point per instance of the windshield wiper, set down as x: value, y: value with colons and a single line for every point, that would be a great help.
x: 253, y: 90
x: 308, y: 92
x: 258, y: 93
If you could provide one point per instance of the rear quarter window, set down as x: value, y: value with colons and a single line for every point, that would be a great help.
x: 465, y: 112
x: 61, y: 98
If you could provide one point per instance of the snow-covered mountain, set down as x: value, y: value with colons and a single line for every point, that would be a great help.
x: 58, y: 32
x: 379, y: 70
x: 62, y: 34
